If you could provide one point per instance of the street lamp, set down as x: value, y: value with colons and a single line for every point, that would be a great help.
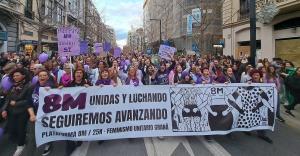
x: 252, y: 31
x: 160, y: 38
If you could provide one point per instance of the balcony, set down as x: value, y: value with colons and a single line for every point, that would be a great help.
x: 10, y: 6
x: 288, y: 6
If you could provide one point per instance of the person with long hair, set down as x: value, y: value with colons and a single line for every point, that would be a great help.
x: 15, y: 108
x: 150, y: 78
x: 186, y: 78
x: 78, y: 81
x: 163, y: 72
x: 272, y: 77
x: 220, y: 77
x: 114, y: 72
x: 131, y: 78
x: 104, y: 78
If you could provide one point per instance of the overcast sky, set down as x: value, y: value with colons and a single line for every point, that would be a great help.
x: 121, y: 15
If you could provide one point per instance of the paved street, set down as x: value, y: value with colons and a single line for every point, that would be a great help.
x: 286, y: 142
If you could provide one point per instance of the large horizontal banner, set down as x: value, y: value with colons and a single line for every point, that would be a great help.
x: 103, y: 113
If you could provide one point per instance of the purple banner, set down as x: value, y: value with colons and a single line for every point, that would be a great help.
x: 106, y: 46
x: 84, y: 46
x: 117, y: 52
x: 68, y: 41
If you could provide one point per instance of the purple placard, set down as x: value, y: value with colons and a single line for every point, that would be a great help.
x: 106, y: 46
x: 166, y: 52
x: 68, y: 41
x: 117, y: 52
x: 98, y: 49
x: 84, y: 46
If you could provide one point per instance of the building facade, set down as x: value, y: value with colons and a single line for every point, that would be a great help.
x: 9, y: 13
x: 200, y: 34
x: 278, y: 37
x: 31, y: 25
x: 136, y: 39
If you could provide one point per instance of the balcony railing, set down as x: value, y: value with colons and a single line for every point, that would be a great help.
x: 243, y: 14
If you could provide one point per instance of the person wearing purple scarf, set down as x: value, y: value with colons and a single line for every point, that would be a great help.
x: 104, y: 78
x: 206, y: 78
x: 132, y: 77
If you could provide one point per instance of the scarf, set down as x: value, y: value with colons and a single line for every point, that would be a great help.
x: 207, y: 79
x: 18, y: 87
x: 35, y: 94
x: 66, y: 80
x: 103, y: 82
x: 135, y: 81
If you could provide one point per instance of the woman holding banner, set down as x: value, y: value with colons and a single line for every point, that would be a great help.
x: 131, y: 78
x: 272, y: 77
x: 46, y: 80
x: 104, y: 78
x: 78, y: 81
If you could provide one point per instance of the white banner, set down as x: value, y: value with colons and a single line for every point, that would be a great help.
x: 105, y: 113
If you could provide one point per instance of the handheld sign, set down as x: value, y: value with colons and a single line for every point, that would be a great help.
x: 68, y: 41
x: 166, y: 52
x: 99, y: 49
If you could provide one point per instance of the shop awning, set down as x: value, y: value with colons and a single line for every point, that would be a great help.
x: 32, y: 42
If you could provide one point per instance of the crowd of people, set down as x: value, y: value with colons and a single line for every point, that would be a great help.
x: 22, y: 76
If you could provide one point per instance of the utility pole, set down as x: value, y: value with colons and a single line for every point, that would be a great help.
x: 252, y: 31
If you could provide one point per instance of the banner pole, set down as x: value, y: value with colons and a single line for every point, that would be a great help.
x: 71, y: 67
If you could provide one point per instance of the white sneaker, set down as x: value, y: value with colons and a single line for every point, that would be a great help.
x: 47, y: 149
x: 19, y: 150
x: 161, y: 138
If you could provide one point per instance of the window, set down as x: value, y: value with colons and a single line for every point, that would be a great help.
x: 60, y: 15
x: 49, y: 8
x: 28, y: 10
x: 29, y: 5
x: 244, y: 9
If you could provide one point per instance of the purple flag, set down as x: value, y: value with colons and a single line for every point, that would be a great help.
x: 106, y: 46
x: 84, y: 45
x: 68, y: 41
x: 117, y: 52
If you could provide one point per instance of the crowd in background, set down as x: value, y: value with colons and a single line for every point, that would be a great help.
x: 22, y: 76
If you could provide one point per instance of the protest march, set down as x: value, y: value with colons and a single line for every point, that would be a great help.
x: 76, y: 95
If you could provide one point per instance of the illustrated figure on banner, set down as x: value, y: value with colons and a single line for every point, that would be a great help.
x: 190, y: 109
x: 253, y: 105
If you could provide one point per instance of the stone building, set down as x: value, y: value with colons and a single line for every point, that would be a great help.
x: 276, y: 37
